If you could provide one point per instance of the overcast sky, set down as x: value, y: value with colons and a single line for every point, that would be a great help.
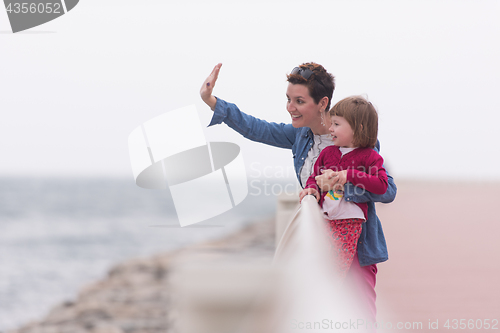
x: 73, y: 89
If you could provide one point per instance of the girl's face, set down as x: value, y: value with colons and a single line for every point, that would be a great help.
x: 342, y: 132
x: 301, y: 106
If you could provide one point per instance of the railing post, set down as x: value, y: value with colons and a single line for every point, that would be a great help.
x: 239, y: 295
x: 287, y: 206
x: 230, y: 296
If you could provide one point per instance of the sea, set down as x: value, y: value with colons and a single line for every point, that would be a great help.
x: 59, y: 234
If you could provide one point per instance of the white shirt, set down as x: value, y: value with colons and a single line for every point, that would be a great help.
x: 334, y: 205
x: 320, y: 143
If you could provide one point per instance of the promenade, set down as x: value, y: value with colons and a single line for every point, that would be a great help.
x: 441, y: 275
x: 443, y: 262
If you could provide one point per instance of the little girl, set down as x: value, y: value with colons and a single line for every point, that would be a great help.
x: 354, y: 131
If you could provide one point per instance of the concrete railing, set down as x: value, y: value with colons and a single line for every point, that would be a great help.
x: 248, y: 297
x: 286, y: 207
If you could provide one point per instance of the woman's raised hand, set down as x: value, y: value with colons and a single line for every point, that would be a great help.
x: 208, y: 87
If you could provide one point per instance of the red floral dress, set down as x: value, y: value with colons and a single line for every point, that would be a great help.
x: 344, y: 235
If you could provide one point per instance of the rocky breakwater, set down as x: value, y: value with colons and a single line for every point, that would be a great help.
x: 136, y: 297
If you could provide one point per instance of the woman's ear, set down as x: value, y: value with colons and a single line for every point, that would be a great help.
x: 323, y: 103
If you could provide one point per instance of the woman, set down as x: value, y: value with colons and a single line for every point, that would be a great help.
x: 309, y: 93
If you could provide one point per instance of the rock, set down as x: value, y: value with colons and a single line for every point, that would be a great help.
x: 134, y: 297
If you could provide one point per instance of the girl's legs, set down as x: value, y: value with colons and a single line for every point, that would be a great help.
x: 344, y: 235
x: 362, y: 280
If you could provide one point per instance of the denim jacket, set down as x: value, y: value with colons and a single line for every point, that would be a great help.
x: 372, y: 247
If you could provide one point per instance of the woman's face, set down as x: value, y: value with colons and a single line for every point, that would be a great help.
x: 301, y: 106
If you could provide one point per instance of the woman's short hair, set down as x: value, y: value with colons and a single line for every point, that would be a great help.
x: 320, y: 83
x: 361, y: 116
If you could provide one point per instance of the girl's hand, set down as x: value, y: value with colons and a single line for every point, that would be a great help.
x: 331, y: 180
x: 208, y: 87
x: 308, y: 191
x: 342, y: 178
x: 326, y: 181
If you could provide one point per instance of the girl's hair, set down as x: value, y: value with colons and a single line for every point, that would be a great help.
x: 362, y: 117
x: 320, y: 83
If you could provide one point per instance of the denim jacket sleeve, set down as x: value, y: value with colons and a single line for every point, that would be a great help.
x: 351, y: 193
x: 278, y: 135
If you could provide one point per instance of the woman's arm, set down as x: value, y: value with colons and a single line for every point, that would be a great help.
x: 328, y: 179
x: 278, y: 135
x: 208, y: 87
x: 274, y: 134
x: 354, y: 195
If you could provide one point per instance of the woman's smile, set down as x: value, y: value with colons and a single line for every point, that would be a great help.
x: 301, y: 106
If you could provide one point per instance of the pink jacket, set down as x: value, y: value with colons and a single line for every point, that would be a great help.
x: 364, y: 170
